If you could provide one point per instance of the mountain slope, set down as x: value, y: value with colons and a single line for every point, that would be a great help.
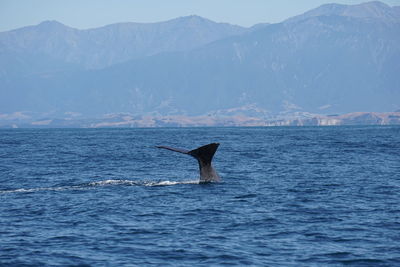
x: 105, y: 46
x: 326, y: 63
x: 369, y: 10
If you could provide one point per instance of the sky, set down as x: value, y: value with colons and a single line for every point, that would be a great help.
x: 83, y: 14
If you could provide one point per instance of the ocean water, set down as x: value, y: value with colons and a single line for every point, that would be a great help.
x: 291, y: 196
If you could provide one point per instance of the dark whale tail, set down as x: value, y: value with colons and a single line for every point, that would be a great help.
x: 204, y: 156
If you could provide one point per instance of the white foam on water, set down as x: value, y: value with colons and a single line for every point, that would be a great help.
x: 166, y: 183
x: 30, y: 190
x: 113, y: 182
x: 108, y: 182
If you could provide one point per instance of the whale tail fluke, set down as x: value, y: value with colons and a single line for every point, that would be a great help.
x: 204, y: 156
x: 205, y: 153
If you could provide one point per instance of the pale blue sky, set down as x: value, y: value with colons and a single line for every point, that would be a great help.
x: 84, y: 14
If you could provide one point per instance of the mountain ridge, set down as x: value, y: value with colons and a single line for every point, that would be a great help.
x: 331, y: 63
x: 371, y: 10
x: 104, y: 46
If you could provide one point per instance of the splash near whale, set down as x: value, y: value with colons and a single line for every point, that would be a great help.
x: 204, y: 156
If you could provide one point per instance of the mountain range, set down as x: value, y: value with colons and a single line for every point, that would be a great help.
x: 334, y: 59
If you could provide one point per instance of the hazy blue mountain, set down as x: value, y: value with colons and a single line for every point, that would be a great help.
x: 105, y: 46
x: 324, y: 64
x: 334, y: 59
x: 369, y: 10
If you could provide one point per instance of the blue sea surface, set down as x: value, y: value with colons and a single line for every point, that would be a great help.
x: 290, y: 196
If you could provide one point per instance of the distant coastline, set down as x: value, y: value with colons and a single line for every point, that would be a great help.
x: 126, y: 120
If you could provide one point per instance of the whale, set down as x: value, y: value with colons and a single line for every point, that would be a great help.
x: 204, y: 156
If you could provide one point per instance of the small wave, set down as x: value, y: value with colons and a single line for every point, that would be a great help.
x: 30, y: 190
x: 140, y: 183
x: 165, y: 183
x: 99, y: 184
x: 113, y: 182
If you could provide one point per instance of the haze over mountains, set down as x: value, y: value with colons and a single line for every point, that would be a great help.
x: 334, y: 59
x: 102, y: 47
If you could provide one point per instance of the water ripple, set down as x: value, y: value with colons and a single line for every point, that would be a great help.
x: 289, y: 197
